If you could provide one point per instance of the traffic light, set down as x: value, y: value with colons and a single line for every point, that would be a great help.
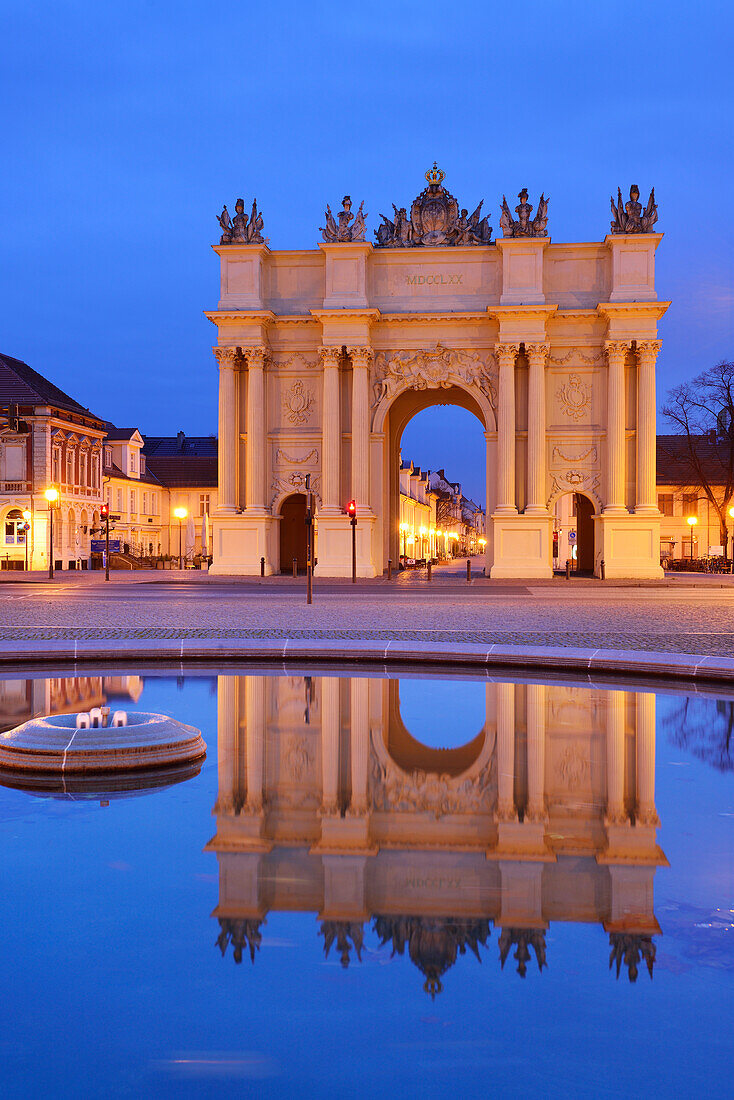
x: 104, y: 511
x: 352, y: 509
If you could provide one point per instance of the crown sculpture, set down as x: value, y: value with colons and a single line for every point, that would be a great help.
x: 435, y: 219
x: 522, y: 226
x: 339, y: 230
x: 629, y: 218
x: 238, y: 230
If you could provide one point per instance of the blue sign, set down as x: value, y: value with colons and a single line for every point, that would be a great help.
x: 99, y: 545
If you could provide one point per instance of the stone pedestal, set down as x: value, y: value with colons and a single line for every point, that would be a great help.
x: 345, y: 834
x: 334, y: 547
x: 239, y: 542
x: 629, y: 545
x: 522, y: 546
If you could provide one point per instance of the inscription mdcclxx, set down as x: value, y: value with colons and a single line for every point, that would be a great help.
x: 434, y: 280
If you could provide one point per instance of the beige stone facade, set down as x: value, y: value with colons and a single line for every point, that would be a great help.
x: 324, y: 356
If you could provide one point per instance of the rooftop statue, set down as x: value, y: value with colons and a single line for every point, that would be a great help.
x: 630, y: 218
x: 339, y: 229
x: 434, y: 220
x: 240, y: 230
x: 523, y: 226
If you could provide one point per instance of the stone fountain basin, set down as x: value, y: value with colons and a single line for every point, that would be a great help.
x: 54, y: 744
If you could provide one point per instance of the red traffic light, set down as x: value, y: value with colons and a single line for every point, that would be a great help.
x: 352, y: 509
x: 104, y: 511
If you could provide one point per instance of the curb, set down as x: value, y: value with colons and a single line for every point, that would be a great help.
x: 641, y: 663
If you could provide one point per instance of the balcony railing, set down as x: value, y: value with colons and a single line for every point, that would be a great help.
x: 15, y: 486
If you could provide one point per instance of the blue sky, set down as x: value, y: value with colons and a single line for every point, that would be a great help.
x: 125, y: 128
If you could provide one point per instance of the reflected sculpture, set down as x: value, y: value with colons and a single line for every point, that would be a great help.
x: 547, y: 813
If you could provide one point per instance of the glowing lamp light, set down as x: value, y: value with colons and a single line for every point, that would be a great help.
x: 27, y: 516
x: 403, y: 526
x: 731, y: 512
x: 423, y: 532
x: 180, y: 513
x: 51, y: 495
x: 692, y: 521
x: 482, y: 542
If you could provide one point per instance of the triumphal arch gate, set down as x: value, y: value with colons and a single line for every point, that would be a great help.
x: 325, y: 354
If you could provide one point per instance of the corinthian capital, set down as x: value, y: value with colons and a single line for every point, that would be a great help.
x: 330, y: 356
x: 256, y: 356
x: 617, y: 349
x: 506, y: 354
x: 361, y: 357
x: 648, y: 349
x: 227, y: 357
x: 537, y: 351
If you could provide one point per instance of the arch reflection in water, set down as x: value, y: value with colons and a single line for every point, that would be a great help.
x: 328, y: 803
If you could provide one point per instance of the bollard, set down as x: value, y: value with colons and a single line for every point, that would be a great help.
x: 389, y: 569
x: 295, y: 567
x: 468, y: 570
x: 430, y: 567
x: 262, y: 567
x: 602, y: 570
x: 568, y: 569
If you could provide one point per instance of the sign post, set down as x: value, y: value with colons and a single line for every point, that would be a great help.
x: 105, y: 513
x: 352, y: 513
x: 309, y: 542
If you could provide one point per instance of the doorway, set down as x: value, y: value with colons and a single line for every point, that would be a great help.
x: 293, y: 533
x: 584, y: 533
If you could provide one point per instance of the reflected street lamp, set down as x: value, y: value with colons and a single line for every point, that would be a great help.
x: 51, y: 495
x: 180, y: 513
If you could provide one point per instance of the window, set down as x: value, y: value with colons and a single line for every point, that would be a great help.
x: 665, y: 503
x: 690, y: 504
x: 133, y: 462
x: 133, y: 509
x: 69, y: 466
x: 145, y: 504
x: 154, y: 503
x: 108, y: 456
x: 14, y: 533
x: 95, y: 471
x: 203, y: 504
x: 83, y: 468
x: 56, y: 466
x: 119, y: 500
x: 142, y: 464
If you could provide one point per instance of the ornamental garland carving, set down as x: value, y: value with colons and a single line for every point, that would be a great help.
x: 575, y: 356
x: 590, y: 453
x: 572, y: 768
x: 574, y: 481
x: 427, y: 792
x: 574, y: 397
x: 310, y: 459
x: 429, y: 370
x: 295, y: 482
x: 298, y: 403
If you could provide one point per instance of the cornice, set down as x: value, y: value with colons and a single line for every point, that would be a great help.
x: 369, y: 314
x: 231, y: 316
x: 521, y: 311
x: 617, y: 309
x: 430, y: 318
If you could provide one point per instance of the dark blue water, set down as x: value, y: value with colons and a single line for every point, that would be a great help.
x: 113, y: 983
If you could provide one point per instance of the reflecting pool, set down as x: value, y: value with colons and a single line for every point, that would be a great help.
x: 377, y: 885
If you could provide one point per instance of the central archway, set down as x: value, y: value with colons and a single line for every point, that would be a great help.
x: 393, y: 423
x: 293, y: 533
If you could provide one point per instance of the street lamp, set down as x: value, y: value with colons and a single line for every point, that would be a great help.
x: 180, y: 513
x: 692, y: 521
x: 51, y: 495
x: 27, y: 523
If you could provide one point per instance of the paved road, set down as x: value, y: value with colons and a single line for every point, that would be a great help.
x: 691, y: 615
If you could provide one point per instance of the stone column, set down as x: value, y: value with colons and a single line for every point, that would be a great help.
x: 257, y: 431
x: 359, y: 742
x: 616, y: 352
x: 331, y: 433
x: 254, y: 740
x: 647, y: 353
x: 330, y: 730
x: 535, y: 713
x: 506, y: 753
x: 506, y: 355
x: 226, y: 743
x: 361, y: 361
x: 616, y: 709
x: 536, y: 495
x: 229, y: 360
x: 646, y: 812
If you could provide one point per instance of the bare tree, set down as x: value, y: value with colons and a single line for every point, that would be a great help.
x: 702, y: 411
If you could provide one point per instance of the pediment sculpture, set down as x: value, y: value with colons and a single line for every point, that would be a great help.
x: 629, y: 217
x: 429, y: 370
x: 523, y: 225
x: 240, y: 229
x: 435, y: 219
x: 338, y: 230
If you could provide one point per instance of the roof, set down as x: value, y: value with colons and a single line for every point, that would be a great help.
x: 169, y: 445
x: 674, y: 462
x: 180, y: 471
x: 116, y: 435
x: 111, y: 469
x: 21, y: 385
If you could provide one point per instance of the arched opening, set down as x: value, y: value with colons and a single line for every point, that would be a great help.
x: 14, y: 528
x: 418, y: 525
x: 574, y: 533
x: 293, y: 533
x: 426, y: 731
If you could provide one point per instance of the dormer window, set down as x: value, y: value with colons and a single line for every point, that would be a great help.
x: 108, y: 456
x: 133, y: 462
